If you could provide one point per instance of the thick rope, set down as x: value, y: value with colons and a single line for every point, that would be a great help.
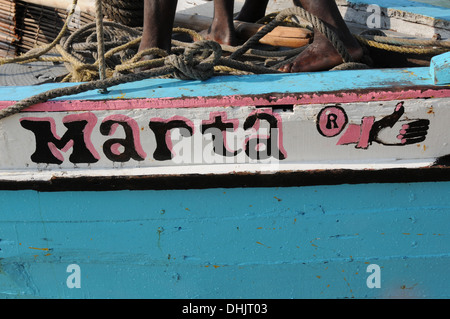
x: 409, y: 42
x: 400, y: 48
x: 187, y: 66
x: 135, y: 62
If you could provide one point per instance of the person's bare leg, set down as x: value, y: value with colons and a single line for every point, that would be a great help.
x: 222, y: 28
x: 252, y: 10
x: 159, y: 16
x: 321, y: 55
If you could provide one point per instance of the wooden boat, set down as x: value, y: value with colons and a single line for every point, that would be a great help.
x: 313, y: 185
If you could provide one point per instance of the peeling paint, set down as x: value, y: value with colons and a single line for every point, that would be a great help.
x: 259, y: 243
x: 43, y: 249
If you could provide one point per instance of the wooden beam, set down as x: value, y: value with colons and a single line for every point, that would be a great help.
x: 281, y: 36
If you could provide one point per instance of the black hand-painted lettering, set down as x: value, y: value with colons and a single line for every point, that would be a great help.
x: 128, y: 143
x: 271, y: 148
x: 219, y: 141
x: 44, y: 137
x: 163, y: 151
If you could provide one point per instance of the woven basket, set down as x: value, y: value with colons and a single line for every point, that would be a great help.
x: 127, y: 12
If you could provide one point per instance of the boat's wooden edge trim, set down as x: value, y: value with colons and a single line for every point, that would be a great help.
x: 268, y: 99
x: 230, y: 85
x: 439, y: 173
x: 440, y: 69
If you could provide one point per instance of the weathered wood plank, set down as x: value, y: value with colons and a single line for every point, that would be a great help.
x: 323, y: 82
x: 440, y: 69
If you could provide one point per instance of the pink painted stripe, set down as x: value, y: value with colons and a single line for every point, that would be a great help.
x: 236, y: 100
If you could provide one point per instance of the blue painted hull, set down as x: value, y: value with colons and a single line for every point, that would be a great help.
x: 293, y: 242
x: 65, y: 232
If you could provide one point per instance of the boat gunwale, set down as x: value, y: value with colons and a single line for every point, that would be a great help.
x: 299, y: 88
x: 301, y: 178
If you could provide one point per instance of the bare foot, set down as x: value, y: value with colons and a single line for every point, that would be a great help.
x: 220, y: 35
x: 321, y: 55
